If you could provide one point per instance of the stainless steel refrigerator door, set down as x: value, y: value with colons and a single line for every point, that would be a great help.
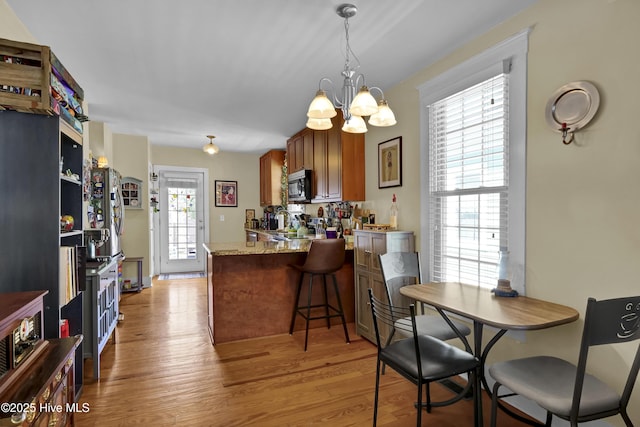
x: 108, y: 206
x: 115, y: 212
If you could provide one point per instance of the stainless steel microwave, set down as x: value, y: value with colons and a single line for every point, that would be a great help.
x: 300, y: 186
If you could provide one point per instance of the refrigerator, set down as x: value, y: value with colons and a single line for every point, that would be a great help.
x: 106, y: 211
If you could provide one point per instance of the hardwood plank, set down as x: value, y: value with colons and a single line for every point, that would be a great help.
x: 163, y: 371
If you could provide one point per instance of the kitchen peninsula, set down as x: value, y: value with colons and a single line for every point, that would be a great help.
x: 251, y: 288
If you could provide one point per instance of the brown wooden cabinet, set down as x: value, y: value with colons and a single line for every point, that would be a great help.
x: 36, y: 376
x: 338, y: 164
x: 336, y: 158
x: 300, y: 151
x: 367, y: 246
x: 271, y: 177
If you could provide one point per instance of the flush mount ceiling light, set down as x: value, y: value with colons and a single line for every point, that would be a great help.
x: 354, y: 105
x: 210, y: 148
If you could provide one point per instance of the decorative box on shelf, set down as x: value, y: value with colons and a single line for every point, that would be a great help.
x: 33, y: 80
x: 376, y: 227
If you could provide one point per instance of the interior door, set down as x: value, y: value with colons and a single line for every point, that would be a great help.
x: 181, y: 225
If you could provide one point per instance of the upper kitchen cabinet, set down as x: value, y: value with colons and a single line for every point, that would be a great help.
x: 338, y: 164
x: 271, y: 177
x: 300, y: 151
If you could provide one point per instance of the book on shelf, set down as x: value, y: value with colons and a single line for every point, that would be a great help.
x: 68, y: 276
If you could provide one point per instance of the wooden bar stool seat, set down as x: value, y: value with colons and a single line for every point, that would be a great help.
x: 325, y: 257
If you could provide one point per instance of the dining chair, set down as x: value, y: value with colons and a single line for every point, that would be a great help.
x: 401, y: 269
x: 421, y: 359
x: 567, y: 390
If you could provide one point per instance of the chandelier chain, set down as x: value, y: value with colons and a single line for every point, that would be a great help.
x: 348, y: 51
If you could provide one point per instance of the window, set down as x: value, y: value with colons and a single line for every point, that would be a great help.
x: 468, y: 182
x: 473, y: 174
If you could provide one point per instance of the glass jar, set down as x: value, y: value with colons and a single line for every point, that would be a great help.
x: 504, y: 270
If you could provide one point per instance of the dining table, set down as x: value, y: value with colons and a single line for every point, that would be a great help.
x: 485, y: 308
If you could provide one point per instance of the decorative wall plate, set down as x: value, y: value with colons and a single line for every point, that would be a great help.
x: 574, y: 104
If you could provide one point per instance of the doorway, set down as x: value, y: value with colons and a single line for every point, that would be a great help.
x: 181, y: 222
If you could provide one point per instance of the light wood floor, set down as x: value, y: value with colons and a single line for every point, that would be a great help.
x: 163, y: 371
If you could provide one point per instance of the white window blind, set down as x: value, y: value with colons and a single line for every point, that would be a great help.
x: 469, y: 183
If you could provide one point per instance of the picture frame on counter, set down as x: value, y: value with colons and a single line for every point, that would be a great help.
x: 249, y: 214
x: 390, y: 163
x: 227, y: 194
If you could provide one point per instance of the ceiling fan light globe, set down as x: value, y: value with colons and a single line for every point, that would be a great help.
x: 321, y: 107
x: 355, y: 124
x: 384, y: 117
x: 364, y: 104
x: 319, y: 124
x: 211, y: 148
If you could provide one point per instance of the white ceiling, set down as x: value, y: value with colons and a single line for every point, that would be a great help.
x: 243, y: 70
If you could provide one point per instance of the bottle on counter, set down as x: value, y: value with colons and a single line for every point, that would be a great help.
x: 393, y: 214
x: 302, y: 230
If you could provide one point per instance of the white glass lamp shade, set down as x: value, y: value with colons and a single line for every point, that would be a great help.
x: 319, y: 124
x: 384, y: 116
x: 364, y: 104
x: 211, y: 148
x: 321, y: 107
x: 103, y: 162
x: 354, y: 125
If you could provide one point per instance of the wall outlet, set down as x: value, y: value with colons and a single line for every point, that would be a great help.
x: 221, y: 217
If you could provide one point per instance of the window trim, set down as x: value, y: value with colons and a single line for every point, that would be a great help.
x: 511, y: 53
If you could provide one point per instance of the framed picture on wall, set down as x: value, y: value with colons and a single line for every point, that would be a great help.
x: 227, y: 193
x: 390, y: 163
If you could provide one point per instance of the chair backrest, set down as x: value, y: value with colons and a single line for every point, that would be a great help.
x: 387, y: 317
x: 399, y: 269
x: 325, y: 256
x: 611, y: 321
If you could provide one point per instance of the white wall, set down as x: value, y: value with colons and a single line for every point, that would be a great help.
x: 226, y: 166
x: 11, y: 27
x: 131, y: 158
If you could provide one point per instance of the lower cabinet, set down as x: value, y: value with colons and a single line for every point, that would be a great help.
x: 101, y: 312
x: 37, y: 386
x: 367, y: 246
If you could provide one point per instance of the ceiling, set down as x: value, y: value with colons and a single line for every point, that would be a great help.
x: 242, y: 70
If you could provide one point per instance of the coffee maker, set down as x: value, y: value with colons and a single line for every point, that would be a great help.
x: 95, y: 239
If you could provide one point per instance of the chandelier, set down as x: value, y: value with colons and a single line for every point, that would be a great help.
x: 354, y: 106
x: 210, y: 148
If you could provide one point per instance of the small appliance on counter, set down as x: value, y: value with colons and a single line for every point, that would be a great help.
x: 94, y: 240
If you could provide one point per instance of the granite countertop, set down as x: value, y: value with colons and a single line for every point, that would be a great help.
x: 261, y: 248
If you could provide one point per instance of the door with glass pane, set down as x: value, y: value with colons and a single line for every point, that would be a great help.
x: 181, y: 222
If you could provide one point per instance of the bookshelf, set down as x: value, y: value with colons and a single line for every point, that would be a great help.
x: 35, y: 195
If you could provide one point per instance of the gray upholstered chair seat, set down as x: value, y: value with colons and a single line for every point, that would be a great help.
x: 435, y: 326
x: 550, y: 381
x: 439, y: 360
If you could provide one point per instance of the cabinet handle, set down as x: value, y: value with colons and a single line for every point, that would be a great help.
x: 366, y: 251
x: 18, y: 417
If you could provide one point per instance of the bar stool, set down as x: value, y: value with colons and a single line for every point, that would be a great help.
x: 325, y: 257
